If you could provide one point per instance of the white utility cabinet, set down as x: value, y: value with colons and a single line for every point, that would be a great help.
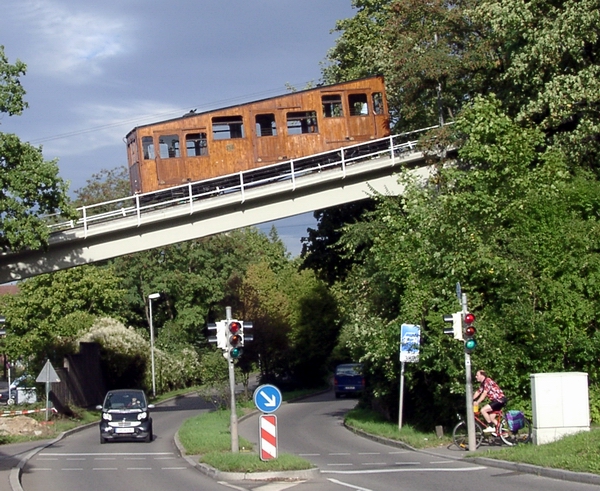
x: 560, y: 405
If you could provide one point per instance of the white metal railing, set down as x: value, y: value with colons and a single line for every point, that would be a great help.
x: 138, y: 205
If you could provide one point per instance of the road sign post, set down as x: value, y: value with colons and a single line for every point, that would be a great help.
x: 48, y: 376
x: 268, y: 436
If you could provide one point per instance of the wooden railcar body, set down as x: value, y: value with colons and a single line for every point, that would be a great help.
x: 200, y: 146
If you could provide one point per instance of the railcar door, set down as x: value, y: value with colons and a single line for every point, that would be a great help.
x: 267, y: 147
x: 361, y: 117
x: 334, y: 126
x: 170, y: 164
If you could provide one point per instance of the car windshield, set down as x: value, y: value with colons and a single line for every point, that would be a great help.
x: 349, y: 370
x: 134, y: 400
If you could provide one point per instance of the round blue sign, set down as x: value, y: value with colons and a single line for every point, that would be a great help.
x: 267, y: 398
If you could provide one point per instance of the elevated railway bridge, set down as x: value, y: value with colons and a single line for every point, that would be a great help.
x: 199, y: 209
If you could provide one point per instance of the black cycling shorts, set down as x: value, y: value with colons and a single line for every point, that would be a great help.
x: 497, y: 405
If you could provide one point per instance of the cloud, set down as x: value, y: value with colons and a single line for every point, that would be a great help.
x: 70, y: 44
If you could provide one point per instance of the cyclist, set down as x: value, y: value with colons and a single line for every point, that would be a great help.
x: 490, y: 389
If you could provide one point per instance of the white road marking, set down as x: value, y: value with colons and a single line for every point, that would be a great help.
x: 173, y: 468
x: 369, y: 453
x: 341, y: 464
x: 139, y: 468
x: 105, y: 468
x: 103, y: 453
x: 277, y: 486
x: 353, y: 486
x: 340, y: 453
x: 416, y: 469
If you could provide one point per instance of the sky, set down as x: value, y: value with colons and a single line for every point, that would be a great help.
x: 95, y: 70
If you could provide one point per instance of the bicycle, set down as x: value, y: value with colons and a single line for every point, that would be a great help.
x: 460, y: 435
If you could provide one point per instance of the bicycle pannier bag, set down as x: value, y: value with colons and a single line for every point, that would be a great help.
x: 515, y: 419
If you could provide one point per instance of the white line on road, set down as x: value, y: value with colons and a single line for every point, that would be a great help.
x: 416, y: 469
x: 105, y: 468
x: 353, y: 486
x: 103, y: 453
x: 173, y: 468
x: 139, y: 468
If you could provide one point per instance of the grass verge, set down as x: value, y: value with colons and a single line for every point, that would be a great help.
x: 208, y: 436
x: 577, y: 453
x: 374, y: 424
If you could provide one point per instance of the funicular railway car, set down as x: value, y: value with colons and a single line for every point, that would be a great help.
x: 199, y: 146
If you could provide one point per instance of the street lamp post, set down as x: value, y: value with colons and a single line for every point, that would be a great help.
x: 152, y: 296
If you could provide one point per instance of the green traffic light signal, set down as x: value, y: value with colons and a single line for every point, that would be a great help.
x: 470, y: 344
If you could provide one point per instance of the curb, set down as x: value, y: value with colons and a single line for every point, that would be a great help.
x: 560, y: 474
x: 246, y: 476
x: 563, y: 475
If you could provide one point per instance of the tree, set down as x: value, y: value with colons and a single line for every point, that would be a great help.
x: 104, y: 186
x: 51, y: 310
x: 549, y: 53
x: 30, y: 186
x: 516, y: 230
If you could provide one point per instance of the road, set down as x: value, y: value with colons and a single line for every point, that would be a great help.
x: 313, y: 428
x: 79, y: 462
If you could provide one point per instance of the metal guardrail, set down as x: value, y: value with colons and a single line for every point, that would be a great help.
x: 138, y: 205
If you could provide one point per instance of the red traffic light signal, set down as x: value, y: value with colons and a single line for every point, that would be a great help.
x: 235, y: 339
x: 469, y: 332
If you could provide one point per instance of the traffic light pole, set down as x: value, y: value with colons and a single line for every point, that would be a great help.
x: 469, y: 389
x: 235, y: 446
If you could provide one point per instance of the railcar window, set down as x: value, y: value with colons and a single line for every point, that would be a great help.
x: 358, y: 104
x: 302, y: 122
x: 265, y: 125
x: 378, y: 103
x: 169, y: 146
x: 148, y: 147
x: 226, y: 127
x: 195, y: 144
x: 332, y: 106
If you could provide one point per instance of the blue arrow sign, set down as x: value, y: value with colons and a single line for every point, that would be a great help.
x: 267, y: 398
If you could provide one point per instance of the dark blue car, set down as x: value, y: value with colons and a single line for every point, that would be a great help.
x: 348, y: 379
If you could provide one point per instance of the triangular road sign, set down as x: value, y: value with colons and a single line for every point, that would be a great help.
x: 48, y: 374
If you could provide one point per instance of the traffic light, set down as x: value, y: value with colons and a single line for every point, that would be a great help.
x: 457, y: 328
x: 221, y: 337
x: 469, y: 332
x: 235, y: 338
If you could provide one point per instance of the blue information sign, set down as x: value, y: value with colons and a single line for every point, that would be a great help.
x: 267, y: 398
x: 410, y: 339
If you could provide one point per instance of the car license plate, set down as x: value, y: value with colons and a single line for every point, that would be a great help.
x: 124, y: 430
x: 350, y: 387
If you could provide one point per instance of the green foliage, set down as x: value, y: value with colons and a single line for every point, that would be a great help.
x: 11, y: 90
x: 51, y: 310
x: 125, y: 354
x: 30, y: 186
x: 126, y: 359
x: 517, y: 231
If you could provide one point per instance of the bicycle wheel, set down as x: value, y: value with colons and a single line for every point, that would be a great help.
x: 460, y: 435
x: 512, y: 438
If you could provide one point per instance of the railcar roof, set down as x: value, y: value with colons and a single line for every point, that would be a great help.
x: 190, y: 114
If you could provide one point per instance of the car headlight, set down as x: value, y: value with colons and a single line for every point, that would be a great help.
x: 107, y: 416
x: 142, y: 416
